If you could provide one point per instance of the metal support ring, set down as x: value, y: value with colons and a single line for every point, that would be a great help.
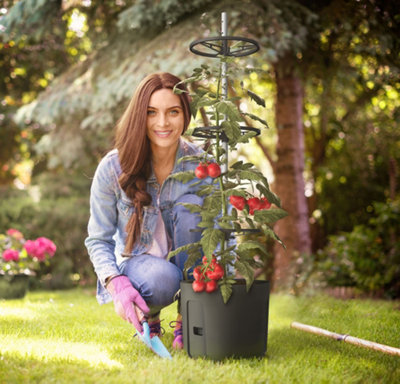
x: 211, y: 132
x: 220, y: 46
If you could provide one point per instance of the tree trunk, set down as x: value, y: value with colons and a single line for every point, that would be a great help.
x: 289, y: 182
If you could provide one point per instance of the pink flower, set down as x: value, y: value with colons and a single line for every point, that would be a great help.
x: 48, y: 246
x: 15, y: 233
x: 11, y: 255
x: 30, y: 246
x: 40, y: 247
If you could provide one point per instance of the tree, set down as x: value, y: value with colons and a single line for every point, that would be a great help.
x: 289, y: 170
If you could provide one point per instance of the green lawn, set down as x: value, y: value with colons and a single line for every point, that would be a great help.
x: 66, y: 337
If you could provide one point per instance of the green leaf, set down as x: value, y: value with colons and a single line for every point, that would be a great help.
x: 259, y: 100
x: 226, y: 291
x: 206, y: 224
x: 229, y: 110
x: 205, y: 102
x: 192, y: 208
x: 227, y: 254
x: 232, y: 130
x: 207, y: 215
x: 234, y: 213
x: 272, y: 198
x: 270, y: 233
x: 190, y: 159
x: 247, y: 136
x: 224, y: 224
x: 246, y: 271
x: 210, y: 239
x: 256, y: 118
x: 237, y: 227
x: 194, y: 255
x: 213, y: 202
x: 255, y: 264
x: 237, y: 165
x: 269, y: 216
x: 184, y: 248
x: 241, y: 165
x: 250, y: 222
x: 196, y: 77
x: 178, y: 91
x: 253, y: 175
x: 205, y: 190
x: 227, y: 218
x: 183, y: 177
x: 229, y: 185
x: 252, y: 245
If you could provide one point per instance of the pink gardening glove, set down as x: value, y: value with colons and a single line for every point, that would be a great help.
x: 125, y: 297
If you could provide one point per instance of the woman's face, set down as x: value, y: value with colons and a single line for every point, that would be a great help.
x: 165, y: 119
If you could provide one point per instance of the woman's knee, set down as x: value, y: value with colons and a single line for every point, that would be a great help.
x: 156, y: 279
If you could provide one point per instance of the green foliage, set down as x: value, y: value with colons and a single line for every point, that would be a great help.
x: 368, y: 257
x: 30, y: 18
x: 146, y: 16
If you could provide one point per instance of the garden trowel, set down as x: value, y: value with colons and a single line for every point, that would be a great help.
x: 154, y: 343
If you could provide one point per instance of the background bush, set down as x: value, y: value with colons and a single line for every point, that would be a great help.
x: 61, y: 214
x: 368, y: 257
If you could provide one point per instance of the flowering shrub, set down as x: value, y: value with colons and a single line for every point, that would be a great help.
x: 23, y: 256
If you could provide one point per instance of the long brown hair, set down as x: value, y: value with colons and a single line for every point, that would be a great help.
x: 134, y: 147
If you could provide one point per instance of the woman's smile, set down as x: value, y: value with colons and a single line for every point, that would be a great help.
x: 162, y: 133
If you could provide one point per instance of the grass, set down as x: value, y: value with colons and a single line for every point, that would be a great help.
x: 66, y: 337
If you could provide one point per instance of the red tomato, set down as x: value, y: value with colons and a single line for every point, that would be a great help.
x: 254, y: 204
x: 198, y: 274
x: 198, y: 286
x: 201, y: 171
x: 211, y: 286
x: 216, y: 272
x: 264, y: 203
x: 238, y: 202
x: 213, y: 170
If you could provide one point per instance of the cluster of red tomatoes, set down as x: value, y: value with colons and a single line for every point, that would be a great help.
x: 207, y: 169
x: 254, y: 203
x: 207, y: 275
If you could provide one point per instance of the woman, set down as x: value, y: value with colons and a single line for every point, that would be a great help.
x: 135, y: 215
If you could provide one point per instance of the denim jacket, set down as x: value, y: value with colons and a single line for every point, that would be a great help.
x: 110, y: 210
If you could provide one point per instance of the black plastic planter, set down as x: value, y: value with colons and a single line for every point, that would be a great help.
x: 216, y: 330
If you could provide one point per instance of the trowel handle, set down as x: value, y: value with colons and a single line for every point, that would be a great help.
x: 140, y: 315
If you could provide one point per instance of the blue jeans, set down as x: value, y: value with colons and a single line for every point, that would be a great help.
x: 157, y: 279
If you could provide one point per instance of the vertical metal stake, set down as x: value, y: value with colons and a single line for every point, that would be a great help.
x: 224, y: 32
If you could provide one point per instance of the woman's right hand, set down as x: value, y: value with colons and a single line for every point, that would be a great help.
x: 125, y: 297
